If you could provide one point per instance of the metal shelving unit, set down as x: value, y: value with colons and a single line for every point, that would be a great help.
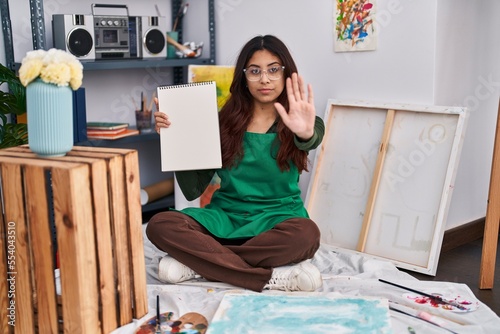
x: 179, y: 65
x: 39, y: 42
x: 141, y: 63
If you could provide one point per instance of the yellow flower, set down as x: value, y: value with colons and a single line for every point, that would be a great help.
x: 30, y: 71
x: 54, y: 66
x: 76, y: 76
x: 58, y: 74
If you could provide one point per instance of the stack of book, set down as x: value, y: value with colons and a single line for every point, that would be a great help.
x: 108, y: 130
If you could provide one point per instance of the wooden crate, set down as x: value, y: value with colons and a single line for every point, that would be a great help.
x: 92, y: 199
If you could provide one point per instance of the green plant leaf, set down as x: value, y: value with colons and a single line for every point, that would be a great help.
x: 12, y: 102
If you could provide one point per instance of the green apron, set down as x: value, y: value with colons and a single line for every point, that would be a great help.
x: 254, y: 196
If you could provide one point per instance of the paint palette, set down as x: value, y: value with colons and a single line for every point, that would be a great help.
x: 468, y: 305
x: 189, y: 323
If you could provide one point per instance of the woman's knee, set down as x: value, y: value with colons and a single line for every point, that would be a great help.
x: 305, y: 238
x: 160, y: 223
x: 171, y: 224
x: 312, y: 236
x: 313, y: 231
x: 304, y: 230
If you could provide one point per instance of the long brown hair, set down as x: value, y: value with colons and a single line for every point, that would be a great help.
x: 236, y: 113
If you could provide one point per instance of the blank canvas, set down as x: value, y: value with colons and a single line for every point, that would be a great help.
x: 409, y: 207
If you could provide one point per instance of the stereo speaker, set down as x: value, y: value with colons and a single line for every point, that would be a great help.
x: 154, y: 43
x: 74, y: 33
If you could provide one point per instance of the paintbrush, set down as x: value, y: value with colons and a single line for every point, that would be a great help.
x: 152, y: 101
x: 184, y: 49
x: 427, y: 317
x: 180, y: 14
x: 135, y: 104
x: 158, y: 328
x: 437, y: 299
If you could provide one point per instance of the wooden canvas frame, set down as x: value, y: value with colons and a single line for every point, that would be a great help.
x: 383, y: 178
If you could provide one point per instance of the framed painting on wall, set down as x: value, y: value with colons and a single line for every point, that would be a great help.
x: 354, y: 25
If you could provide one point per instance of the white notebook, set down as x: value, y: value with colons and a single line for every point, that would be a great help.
x: 192, y: 141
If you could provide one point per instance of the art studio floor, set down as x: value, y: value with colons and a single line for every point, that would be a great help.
x: 458, y: 265
x: 461, y: 265
x: 346, y: 275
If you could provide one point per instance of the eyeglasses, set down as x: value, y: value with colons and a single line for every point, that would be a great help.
x: 254, y: 73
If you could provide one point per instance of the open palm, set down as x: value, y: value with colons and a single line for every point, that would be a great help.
x: 302, y: 113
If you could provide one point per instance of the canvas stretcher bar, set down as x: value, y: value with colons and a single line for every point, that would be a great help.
x: 376, y: 180
x: 403, y: 217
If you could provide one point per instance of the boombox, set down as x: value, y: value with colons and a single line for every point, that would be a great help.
x: 74, y: 34
x: 111, y: 37
x: 111, y: 31
x: 90, y: 37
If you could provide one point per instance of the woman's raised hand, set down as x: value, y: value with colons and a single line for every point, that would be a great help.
x: 161, y: 119
x: 301, y: 115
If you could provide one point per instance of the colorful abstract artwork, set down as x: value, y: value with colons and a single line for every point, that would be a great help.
x: 222, y: 75
x: 354, y: 25
x: 286, y: 313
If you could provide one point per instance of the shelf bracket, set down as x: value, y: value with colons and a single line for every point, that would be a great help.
x: 7, y: 34
x: 211, y: 29
x: 37, y: 24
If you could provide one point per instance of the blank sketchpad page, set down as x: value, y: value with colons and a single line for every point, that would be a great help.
x: 192, y: 141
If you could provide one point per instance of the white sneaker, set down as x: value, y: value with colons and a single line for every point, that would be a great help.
x: 172, y: 271
x: 300, y: 277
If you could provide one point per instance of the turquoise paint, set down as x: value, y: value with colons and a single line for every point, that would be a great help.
x: 300, y: 314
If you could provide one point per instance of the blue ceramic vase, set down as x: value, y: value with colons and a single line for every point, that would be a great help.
x: 50, y: 118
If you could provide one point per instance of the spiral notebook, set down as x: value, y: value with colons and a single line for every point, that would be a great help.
x: 192, y: 141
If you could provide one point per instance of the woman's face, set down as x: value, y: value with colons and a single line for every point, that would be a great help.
x: 265, y: 90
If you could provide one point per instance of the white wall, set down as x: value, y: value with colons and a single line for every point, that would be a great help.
x: 429, y: 52
x: 401, y: 70
x: 468, y: 74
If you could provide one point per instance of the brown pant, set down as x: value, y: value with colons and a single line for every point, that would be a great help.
x: 246, y: 263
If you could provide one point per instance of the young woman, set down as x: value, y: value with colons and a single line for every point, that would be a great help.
x: 255, y: 233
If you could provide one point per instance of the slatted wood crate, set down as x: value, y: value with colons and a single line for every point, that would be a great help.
x: 92, y: 198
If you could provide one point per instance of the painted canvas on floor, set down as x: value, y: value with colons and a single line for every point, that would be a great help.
x: 285, y: 313
x: 354, y: 25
